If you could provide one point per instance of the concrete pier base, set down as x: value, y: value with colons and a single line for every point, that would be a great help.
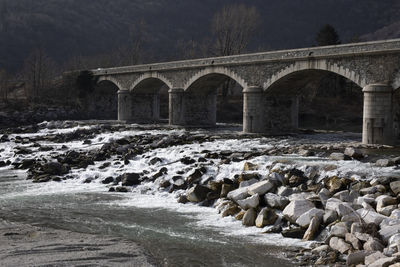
x: 378, y: 117
x: 176, y: 106
x: 145, y: 107
x: 253, y: 110
x: 124, y: 105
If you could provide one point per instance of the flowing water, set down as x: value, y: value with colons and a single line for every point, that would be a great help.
x: 174, y: 234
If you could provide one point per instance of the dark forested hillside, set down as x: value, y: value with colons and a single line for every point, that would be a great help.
x: 70, y: 28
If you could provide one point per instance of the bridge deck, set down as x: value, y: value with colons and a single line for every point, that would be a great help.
x: 354, y: 49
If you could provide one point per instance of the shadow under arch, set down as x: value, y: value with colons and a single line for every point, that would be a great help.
x: 150, y: 100
x: 212, y: 97
x: 314, y: 99
x: 102, y: 102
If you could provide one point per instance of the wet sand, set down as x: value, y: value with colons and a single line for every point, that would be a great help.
x: 26, y: 245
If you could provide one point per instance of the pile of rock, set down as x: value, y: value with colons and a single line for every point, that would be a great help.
x: 358, y: 221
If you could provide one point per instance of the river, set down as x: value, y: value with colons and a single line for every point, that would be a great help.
x: 174, y: 234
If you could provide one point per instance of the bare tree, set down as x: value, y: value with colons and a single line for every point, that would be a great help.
x: 37, y: 72
x: 130, y: 54
x: 233, y: 28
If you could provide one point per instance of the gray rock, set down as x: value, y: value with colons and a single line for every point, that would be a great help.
x: 260, y: 188
x: 276, y: 178
x: 197, y: 193
x: 324, y: 195
x: 285, y: 191
x: 357, y: 257
x: 383, y: 201
x: 339, y: 230
x: 339, y: 244
x: 337, y: 156
x: 353, y: 240
x: 363, y: 237
x: 387, y: 211
x: 373, y: 244
x: 130, y: 179
x: 250, y: 202
x: 356, y: 228
x: 249, y: 218
x: 238, y: 194
x: 370, y: 216
x: 297, y: 208
x: 266, y: 217
x: 305, y: 219
x: 353, y: 153
x: 388, y: 231
x: 374, y: 257
x: 248, y: 183
x: 312, y: 229
x: 330, y: 216
x: 384, y: 262
x: 276, y: 201
x: 395, y: 186
x: 384, y: 163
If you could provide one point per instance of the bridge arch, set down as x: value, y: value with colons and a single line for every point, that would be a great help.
x: 321, y: 65
x: 111, y: 80
x: 211, y: 71
x: 149, y: 81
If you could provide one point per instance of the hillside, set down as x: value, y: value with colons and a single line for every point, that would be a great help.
x: 67, y: 28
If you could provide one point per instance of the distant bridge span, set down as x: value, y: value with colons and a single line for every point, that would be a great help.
x: 271, y: 82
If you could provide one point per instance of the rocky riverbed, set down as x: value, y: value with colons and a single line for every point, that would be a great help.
x: 325, y: 193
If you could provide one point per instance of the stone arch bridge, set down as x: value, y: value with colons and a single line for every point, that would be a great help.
x: 271, y: 82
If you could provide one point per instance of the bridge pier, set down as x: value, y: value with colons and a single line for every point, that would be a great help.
x: 378, y: 117
x: 176, y: 106
x: 124, y: 105
x: 253, y: 110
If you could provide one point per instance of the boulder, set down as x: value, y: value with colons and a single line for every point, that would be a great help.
x: 260, y: 188
x: 384, y: 262
x: 266, y: 217
x: 339, y: 244
x: 339, y: 230
x: 250, y: 202
x: 305, y: 219
x: 225, y: 189
x: 330, y: 216
x: 353, y: 153
x: 197, y: 193
x: 285, y: 191
x: 238, y: 194
x: 108, y: 180
x: 388, y: 231
x: 54, y: 168
x: 249, y: 218
x: 248, y: 183
x: 384, y: 163
x: 337, y: 156
x: 312, y: 229
x: 248, y: 166
x: 276, y: 178
x: 357, y: 257
x: 370, y: 216
x: 297, y: 232
x: 276, y: 201
x: 373, y: 244
x: 335, y: 184
x: 375, y: 257
x: 353, y: 240
x: 297, y: 208
x: 395, y: 187
x: 130, y: 179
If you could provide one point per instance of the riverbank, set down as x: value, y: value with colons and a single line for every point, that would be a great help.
x: 27, y: 245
